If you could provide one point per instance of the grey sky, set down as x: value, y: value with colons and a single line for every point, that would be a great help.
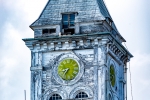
x: 130, y: 16
x: 132, y: 20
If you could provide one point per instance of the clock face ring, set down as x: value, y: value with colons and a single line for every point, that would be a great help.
x: 68, y: 68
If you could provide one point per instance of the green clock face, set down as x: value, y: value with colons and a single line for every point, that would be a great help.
x: 112, y: 75
x: 68, y: 69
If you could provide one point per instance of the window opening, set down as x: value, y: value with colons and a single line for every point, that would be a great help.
x: 69, y: 31
x: 45, y: 31
x: 55, y: 97
x: 49, y: 31
x: 68, y: 24
x: 68, y: 20
x: 81, y: 95
x: 52, y: 30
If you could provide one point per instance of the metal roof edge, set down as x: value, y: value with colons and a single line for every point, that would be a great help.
x: 40, y: 14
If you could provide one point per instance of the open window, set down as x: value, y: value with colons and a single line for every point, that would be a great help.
x: 49, y: 31
x: 68, y: 23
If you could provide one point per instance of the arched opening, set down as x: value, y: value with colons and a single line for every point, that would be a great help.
x: 81, y: 95
x: 55, y: 97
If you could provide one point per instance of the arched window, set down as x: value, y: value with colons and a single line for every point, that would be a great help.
x: 81, y: 95
x: 55, y: 97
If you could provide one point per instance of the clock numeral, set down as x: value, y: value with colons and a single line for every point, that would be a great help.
x: 71, y: 61
x: 75, y: 72
x: 64, y: 62
x: 68, y: 60
x: 76, y: 68
x: 72, y: 75
x: 74, y: 64
x: 68, y: 77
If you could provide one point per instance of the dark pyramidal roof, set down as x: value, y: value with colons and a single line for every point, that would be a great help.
x: 88, y: 11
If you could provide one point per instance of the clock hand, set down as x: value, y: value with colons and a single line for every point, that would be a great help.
x: 111, y: 77
x: 65, y: 71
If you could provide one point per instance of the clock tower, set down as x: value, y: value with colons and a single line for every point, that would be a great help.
x: 77, y: 53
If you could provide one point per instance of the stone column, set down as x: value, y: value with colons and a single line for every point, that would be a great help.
x: 99, y: 84
x: 36, y: 83
x: 32, y: 86
x: 36, y: 76
x: 32, y: 59
x: 95, y: 64
x: 103, y: 85
x: 125, y: 83
x: 39, y: 58
x: 103, y: 67
x: 32, y: 76
x: 35, y: 59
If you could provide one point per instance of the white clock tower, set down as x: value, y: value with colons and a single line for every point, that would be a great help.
x: 77, y: 53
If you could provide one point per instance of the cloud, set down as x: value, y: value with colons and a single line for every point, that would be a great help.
x: 14, y: 76
x: 16, y: 16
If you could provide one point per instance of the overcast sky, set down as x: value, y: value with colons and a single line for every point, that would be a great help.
x: 130, y: 16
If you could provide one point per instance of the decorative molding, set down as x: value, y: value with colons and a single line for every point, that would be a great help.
x: 117, y: 53
x: 67, y: 44
x: 36, y: 68
x: 47, y: 94
x: 89, y: 76
x: 80, y: 73
x: 80, y: 88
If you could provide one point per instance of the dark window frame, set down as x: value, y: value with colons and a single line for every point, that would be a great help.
x: 55, y: 97
x: 49, y: 31
x: 68, y: 20
x: 81, y: 95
